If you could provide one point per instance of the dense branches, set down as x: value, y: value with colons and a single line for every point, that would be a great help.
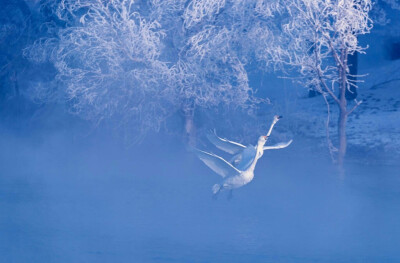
x: 142, y: 60
x: 316, y: 39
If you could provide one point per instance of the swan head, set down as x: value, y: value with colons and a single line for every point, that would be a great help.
x: 277, y: 118
x: 262, y: 139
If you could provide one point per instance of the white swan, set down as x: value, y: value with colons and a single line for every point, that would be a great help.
x: 240, y: 170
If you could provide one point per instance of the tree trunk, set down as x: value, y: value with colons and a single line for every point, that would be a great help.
x: 342, y: 135
x: 190, y: 128
x: 342, y: 113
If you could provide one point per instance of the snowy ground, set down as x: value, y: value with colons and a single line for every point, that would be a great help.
x: 373, y: 129
x: 376, y: 125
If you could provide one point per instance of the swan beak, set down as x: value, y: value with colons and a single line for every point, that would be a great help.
x: 265, y: 137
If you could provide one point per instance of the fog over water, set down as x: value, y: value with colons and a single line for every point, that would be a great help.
x: 67, y: 198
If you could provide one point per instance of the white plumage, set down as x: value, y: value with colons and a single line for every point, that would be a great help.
x: 240, y: 170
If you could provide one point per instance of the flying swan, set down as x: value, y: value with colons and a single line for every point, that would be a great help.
x: 240, y: 170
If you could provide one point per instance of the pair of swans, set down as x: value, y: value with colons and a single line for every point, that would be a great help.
x: 239, y: 171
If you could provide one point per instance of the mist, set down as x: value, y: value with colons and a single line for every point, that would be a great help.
x: 84, y: 198
x: 95, y: 170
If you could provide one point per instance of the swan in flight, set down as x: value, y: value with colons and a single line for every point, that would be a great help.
x: 240, y: 169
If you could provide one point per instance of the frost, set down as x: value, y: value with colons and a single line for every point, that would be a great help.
x: 136, y: 62
x: 197, y: 10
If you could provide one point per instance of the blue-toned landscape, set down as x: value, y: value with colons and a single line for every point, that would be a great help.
x: 130, y: 131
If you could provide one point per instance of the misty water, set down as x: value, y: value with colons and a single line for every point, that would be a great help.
x: 68, y: 197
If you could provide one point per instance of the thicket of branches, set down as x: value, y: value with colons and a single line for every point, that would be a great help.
x: 140, y: 61
x: 316, y: 38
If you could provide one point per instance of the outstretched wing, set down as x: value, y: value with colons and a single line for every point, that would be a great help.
x: 217, y: 164
x: 224, y: 144
x: 278, y: 146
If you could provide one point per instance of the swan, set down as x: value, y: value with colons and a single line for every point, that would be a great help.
x: 239, y: 171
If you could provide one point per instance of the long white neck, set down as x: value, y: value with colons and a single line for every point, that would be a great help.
x: 276, y: 119
x: 260, y: 150
x: 260, y: 144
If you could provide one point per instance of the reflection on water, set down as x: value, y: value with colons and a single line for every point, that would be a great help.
x: 64, y: 201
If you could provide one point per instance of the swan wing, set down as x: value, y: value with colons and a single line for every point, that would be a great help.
x: 278, y: 146
x: 224, y: 144
x: 217, y: 163
x: 247, y: 157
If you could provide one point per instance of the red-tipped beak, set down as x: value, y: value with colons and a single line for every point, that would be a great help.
x: 265, y: 137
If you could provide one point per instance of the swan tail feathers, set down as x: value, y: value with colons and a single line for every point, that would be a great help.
x: 216, y: 188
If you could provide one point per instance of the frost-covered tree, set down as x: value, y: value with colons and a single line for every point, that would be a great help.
x: 313, y: 37
x: 142, y: 60
x: 107, y: 58
x: 136, y: 61
x: 219, y: 41
x: 316, y: 38
x: 210, y: 67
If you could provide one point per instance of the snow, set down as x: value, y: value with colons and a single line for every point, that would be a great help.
x: 376, y: 123
x: 373, y: 127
